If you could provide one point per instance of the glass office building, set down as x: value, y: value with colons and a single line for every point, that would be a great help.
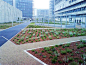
x: 9, y: 1
x: 26, y: 6
x: 43, y: 13
x: 71, y: 10
x: 51, y: 9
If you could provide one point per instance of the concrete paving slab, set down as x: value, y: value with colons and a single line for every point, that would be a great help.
x: 11, y: 54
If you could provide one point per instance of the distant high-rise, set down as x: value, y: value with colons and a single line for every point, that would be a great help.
x: 26, y: 6
x: 42, y: 13
x: 51, y: 9
x: 11, y: 2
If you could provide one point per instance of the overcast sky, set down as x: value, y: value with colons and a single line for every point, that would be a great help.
x: 41, y: 4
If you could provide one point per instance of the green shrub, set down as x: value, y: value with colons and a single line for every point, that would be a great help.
x: 63, y: 46
x: 29, y: 39
x: 60, y: 62
x: 53, y: 61
x: 67, y: 45
x: 54, y: 35
x: 30, y: 36
x: 26, y: 40
x: 73, y: 63
x: 42, y: 51
x: 70, y: 59
x: 63, y: 52
x: 76, y: 44
x: 44, y: 56
x: 72, y: 54
x: 17, y: 38
x: 56, y: 45
x: 36, y: 40
x: 50, y: 38
x: 80, y: 61
x: 82, y: 51
x: 46, y: 48
x: 68, y: 50
x: 60, y: 44
x: 77, y: 52
x: 84, y: 45
x: 36, y: 52
x: 80, y: 46
x: 33, y: 38
x: 55, y: 58
x: 51, y: 57
x: 58, y: 37
x: 13, y: 39
x: 49, y: 52
x: 18, y: 43
x: 56, y: 53
x: 83, y: 41
x: 52, y: 47
x: 40, y: 54
x: 33, y: 50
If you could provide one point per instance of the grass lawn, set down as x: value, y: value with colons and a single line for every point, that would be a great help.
x: 32, y: 25
x: 63, y: 23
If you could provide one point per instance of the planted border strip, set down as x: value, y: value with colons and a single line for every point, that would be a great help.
x: 70, y: 58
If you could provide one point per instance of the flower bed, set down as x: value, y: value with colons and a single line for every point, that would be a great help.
x: 30, y: 36
x: 64, y: 54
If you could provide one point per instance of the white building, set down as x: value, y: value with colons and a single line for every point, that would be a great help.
x: 71, y: 10
x: 8, y: 13
x: 42, y: 13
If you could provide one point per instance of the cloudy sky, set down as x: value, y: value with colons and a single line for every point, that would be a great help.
x: 41, y: 4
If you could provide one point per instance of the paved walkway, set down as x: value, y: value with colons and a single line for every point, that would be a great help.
x: 7, y: 34
x: 11, y: 54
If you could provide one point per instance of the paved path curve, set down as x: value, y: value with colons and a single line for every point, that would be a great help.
x: 7, y: 34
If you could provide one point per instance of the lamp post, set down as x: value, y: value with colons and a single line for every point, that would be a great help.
x: 75, y: 22
x: 61, y: 21
x: 66, y: 20
x: 48, y: 20
x: 85, y: 21
x: 54, y: 13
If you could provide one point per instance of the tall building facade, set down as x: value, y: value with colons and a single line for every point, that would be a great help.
x: 8, y: 13
x: 42, y: 13
x: 51, y: 9
x: 26, y: 6
x: 73, y: 10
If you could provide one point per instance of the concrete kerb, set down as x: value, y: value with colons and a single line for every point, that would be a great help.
x: 43, y: 47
